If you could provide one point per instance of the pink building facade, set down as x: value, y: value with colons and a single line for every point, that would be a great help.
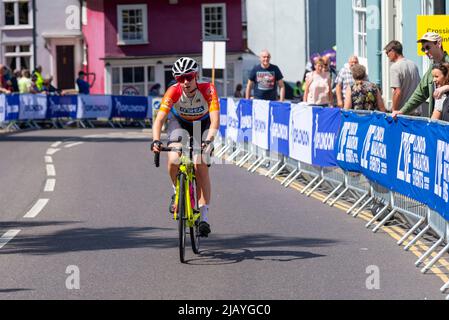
x: 130, y: 45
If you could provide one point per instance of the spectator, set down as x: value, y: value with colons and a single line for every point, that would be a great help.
x: 440, y: 74
x: 266, y: 78
x: 83, y: 85
x: 34, y: 88
x: 345, y: 79
x: 238, y: 91
x: 40, y: 79
x: 432, y: 45
x: 363, y: 95
x: 154, y: 90
x: 404, y: 76
x: 3, y: 84
x: 15, y: 81
x: 48, y: 88
x: 297, y: 92
x: 25, y: 82
x: 318, y: 89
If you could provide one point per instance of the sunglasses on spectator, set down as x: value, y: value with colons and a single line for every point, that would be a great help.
x: 426, y: 48
x: 189, y: 77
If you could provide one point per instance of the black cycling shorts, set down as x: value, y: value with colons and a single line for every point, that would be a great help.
x: 178, y: 128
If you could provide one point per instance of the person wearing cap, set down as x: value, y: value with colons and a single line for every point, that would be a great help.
x: 432, y: 46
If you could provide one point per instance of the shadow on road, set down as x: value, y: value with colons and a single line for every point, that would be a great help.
x: 229, y: 250
x: 217, y: 249
x: 86, y: 239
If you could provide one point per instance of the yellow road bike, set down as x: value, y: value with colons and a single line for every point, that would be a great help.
x: 187, y: 212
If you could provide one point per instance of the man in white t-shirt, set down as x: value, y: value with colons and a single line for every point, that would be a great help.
x: 404, y: 76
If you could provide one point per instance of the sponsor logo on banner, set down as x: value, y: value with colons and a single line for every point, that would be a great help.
x: 92, y: 107
x: 2, y: 108
x: 324, y: 141
x: 261, y: 116
x: 441, y: 188
x: 123, y: 109
x: 301, y: 133
x: 33, y: 107
x: 233, y: 123
x: 413, y: 163
x: 62, y: 106
x: 375, y: 147
x: 348, y: 143
x: 325, y: 131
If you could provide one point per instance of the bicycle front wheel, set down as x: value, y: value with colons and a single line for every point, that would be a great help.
x: 194, y: 231
x: 182, y: 218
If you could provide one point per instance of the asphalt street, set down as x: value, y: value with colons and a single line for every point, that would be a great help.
x: 103, y: 217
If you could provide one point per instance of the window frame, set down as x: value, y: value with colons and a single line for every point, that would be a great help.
x: 17, y: 24
x: 359, y: 9
x: 120, y: 10
x: 17, y: 54
x: 121, y: 84
x: 204, y: 6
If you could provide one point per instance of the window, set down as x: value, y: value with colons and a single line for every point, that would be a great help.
x: 360, y: 44
x: 130, y: 80
x: 18, y: 57
x: 17, y: 12
x: 214, y: 21
x: 132, y: 24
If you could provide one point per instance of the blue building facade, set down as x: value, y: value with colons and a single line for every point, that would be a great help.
x: 364, y: 27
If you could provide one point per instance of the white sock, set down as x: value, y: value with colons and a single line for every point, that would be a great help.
x: 204, y: 210
x: 174, y: 189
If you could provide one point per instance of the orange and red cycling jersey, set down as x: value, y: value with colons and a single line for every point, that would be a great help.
x: 188, y: 109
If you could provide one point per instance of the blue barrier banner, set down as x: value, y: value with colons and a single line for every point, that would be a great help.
x: 2, y: 108
x: 279, y: 127
x: 62, y: 107
x: 33, y: 107
x: 326, y: 126
x: 94, y: 107
x: 233, y: 120
x: 413, y: 150
x: 245, y: 109
x: 440, y: 167
x: 261, y: 124
x: 130, y: 107
x: 410, y: 157
x: 301, y: 131
x: 223, y: 116
x: 12, y: 107
x: 350, y: 140
x: 155, y: 103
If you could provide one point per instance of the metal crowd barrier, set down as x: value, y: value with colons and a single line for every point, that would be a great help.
x: 354, y: 188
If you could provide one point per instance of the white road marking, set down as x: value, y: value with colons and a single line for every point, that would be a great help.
x: 50, y: 185
x: 51, y: 172
x: 37, y: 208
x: 73, y: 145
x: 52, y: 151
x: 8, y: 236
x: 48, y: 159
x: 56, y: 144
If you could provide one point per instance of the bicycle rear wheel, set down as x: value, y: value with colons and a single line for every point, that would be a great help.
x: 182, y: 218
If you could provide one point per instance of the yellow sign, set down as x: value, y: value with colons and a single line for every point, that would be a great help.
x: 438, y: 24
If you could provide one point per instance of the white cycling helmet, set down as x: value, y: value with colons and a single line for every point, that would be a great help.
x: 184, y: 66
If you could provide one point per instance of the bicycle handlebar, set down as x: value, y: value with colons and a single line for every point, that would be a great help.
x: 157, y: 155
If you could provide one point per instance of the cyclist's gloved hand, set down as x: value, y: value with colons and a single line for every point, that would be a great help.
x: 155, y: 146
x: 207, y: 147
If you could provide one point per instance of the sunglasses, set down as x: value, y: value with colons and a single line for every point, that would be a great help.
x: 426, y: 48
x: 189, y: 77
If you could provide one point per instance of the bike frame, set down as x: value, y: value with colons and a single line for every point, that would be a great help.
x: 187, y: 172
